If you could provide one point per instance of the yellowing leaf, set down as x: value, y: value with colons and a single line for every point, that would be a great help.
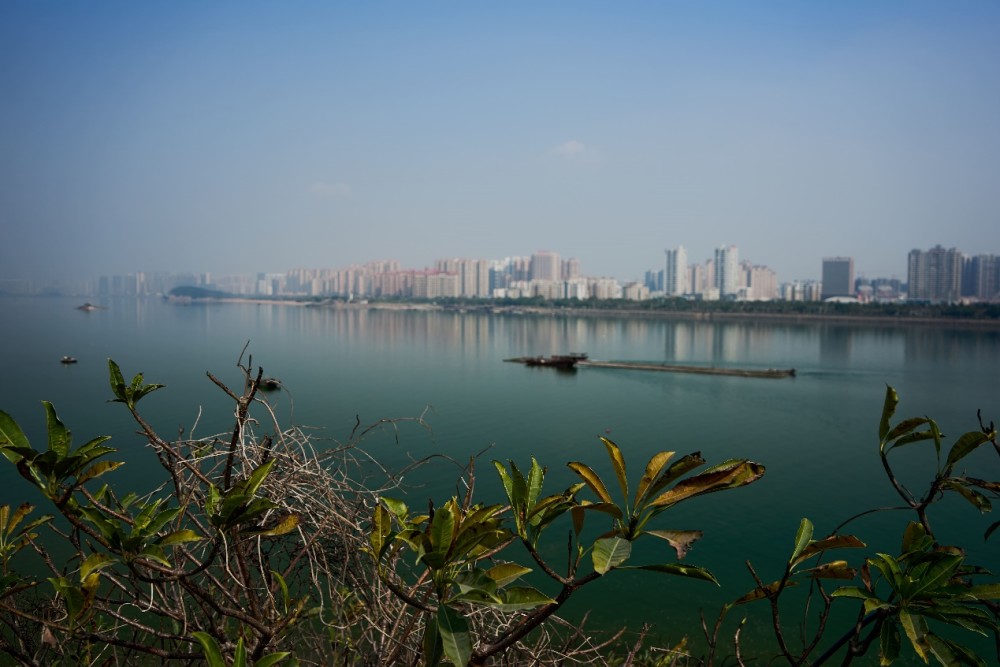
x: 726, y: 476
x: 618, y: 463
x: 653, y: 469
x: 592, y: 479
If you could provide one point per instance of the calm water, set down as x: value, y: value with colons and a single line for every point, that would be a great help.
x: 815, y: 433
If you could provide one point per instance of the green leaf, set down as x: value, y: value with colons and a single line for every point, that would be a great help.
x: 618, y: 463
x: 520, y: 490
x: 455, y: 639
x: 888, y: 409
x: 59, y: 436
x: 991, y: 530
x: 905, y: 426
x: 889, y: 568
x: 431, y: 643
x: 610, y: 552
x: 802, y: 539
x: 676, y: 569
x: 381, y: 529
x: 854, y: 592
x: 240, y: 654
x: 442, y: 529
x: 96, y: 517
x: 949, y: 653
x: 535, y: 478
x: 96, y: 562
x: 592, y: 480
x: 937, y: 575
x: 976, y: 499
x: 252, y: 483
x: 287, y: 524
x: 213, y: 652
x: 97, y: 470
x: 117, y: 381
x: 11, y: 435
x: 508, y: 483
x: 272, y: 659
x: 964, y: 446
x: 178, y: 537
x: 984, y: 591
x: 71, y: 595
x: 889, y: 644
x: 505, y: 573
x: 155, y: 553
x: 915, y: 538
x: 397, y: 507
x: 518, y: 598
x: 915, y: 632
x: 911, y: 438
x: 159, y: 521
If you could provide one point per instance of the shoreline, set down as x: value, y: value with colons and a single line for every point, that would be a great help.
x: 707, y: 316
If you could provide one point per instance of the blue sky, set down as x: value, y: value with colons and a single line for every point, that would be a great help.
x: 266, y: 136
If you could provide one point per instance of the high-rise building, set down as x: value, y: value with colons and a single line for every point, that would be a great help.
x: 981, y: 277
x: 571, y: 269
x: 727, y: 266
x: 762, y: 283
x: 934, y: 275
x: 838, y: 276
x: 675, y: 272
x: 545, y: 266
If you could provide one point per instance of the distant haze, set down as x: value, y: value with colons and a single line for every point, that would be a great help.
x: 264, y: 136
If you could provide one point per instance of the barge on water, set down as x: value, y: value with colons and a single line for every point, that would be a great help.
x: 554, y: 361
x: 578, y: 360
x: 703, y: 370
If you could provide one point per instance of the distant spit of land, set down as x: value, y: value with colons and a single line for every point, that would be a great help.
x: 978, y: 315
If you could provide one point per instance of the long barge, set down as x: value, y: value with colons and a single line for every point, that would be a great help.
x: 702, y: 370
x: 578, y: 360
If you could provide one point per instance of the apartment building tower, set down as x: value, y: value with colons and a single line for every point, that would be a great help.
x: 934, y: 275
x: 727, y: 269
x: 838, y: 277
x: 675, y: 272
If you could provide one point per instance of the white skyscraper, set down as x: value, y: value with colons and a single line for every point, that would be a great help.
x: 727, y: 266
x: 675, y: 273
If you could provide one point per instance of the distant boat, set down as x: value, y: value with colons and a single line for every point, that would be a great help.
x: 270, y: 384
x: 68, y: 360
x: 554, y: 361
x: 87, y: 307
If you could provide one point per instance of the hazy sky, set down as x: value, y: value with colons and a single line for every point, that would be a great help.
x: 265, y: 136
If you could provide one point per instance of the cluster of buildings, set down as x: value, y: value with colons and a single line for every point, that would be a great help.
x: 948, y: 276
x: 935, y: 276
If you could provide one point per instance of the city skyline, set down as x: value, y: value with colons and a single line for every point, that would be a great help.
x: 936, y: 275
x: 679, y: 275
x: 221, y: 136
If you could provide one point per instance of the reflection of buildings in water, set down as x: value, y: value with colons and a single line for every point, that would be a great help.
x: 924, y: 344
x: 835, y: 345
x: 679, y: 342
x: 726, y: 342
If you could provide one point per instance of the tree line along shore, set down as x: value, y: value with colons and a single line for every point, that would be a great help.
x: 972, y: 315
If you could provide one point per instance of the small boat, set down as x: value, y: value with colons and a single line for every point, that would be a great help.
x: 270, y: 384
x: 68, y: 360
x: 554, y: 361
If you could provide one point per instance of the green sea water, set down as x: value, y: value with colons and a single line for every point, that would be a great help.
x: 815, y: 433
